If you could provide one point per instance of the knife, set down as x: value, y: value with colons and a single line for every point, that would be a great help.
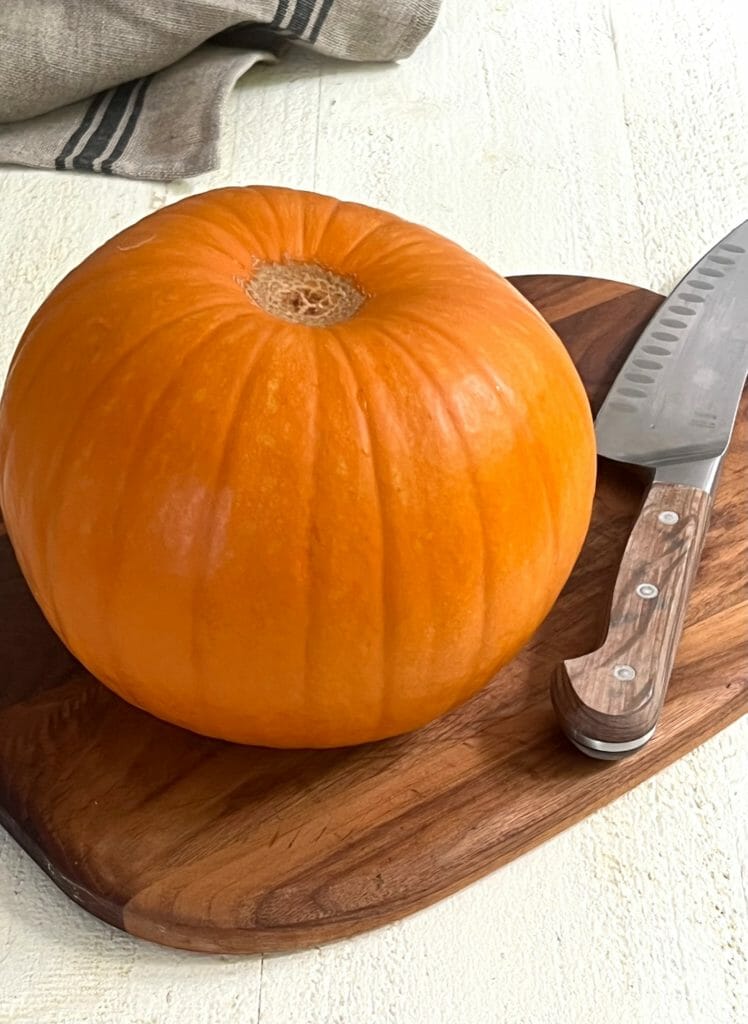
x: 671, y: 410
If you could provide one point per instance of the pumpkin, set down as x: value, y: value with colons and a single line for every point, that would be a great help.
x: 290, y: 471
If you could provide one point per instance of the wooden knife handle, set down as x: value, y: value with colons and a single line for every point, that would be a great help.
x: 610, y: 700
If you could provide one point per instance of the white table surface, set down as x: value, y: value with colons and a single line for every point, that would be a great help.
x: 593, y: 137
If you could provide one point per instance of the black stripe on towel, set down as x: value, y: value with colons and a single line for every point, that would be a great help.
x: 317, y: 27
x: 280, y: 13
x: 300, y: 17
x: 91, y: 112
x: 106, y: 128
x: 130, y: 127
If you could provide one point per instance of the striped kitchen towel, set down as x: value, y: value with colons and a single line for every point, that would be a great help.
x: 138, y: 87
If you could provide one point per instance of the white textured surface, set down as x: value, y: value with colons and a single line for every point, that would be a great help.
x: 545, y: 135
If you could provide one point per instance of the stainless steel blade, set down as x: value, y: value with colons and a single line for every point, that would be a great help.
x: 675, y: 400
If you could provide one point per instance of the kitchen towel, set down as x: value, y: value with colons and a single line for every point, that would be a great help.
x: 138, y: 87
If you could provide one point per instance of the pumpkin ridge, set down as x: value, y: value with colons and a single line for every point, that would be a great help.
x: 141, y: 436
x: 248, y: 381
x: 379, y: 499
x: 538, y: 453
x: 362, y: 239
x: 396, y: 251
x: 313, y: 488
x: 334, y: 208
x: 174, y: 212
x: 42, y: 362
x: 430, y: 377
x: 280, y: 226
x: 53, y: 483
x: 505, y: 398
x: 73, y: 300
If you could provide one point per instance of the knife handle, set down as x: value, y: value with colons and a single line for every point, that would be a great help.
x: 608, y: 702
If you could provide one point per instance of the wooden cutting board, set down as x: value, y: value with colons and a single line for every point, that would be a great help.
x: 205, y: 845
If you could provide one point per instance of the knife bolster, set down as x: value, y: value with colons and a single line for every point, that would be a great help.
x: 702, y: 475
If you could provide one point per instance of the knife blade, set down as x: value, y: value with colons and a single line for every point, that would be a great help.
x: 671, y: 410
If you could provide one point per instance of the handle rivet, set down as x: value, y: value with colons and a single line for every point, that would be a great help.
x: 668, y: 518
x: 625, y: 673
x: 647, y: 591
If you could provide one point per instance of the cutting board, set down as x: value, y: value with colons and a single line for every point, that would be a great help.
x: 206, y: 845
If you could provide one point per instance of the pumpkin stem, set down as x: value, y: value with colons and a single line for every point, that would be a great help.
x: 304, y: 293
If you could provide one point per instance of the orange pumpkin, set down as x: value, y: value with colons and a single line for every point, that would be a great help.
x: 291, y: 471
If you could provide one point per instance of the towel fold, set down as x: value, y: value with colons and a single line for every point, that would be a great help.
x: 138, y: 87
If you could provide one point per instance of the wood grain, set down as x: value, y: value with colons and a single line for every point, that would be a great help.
x: 649, y: 605
x: 205, y: 845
